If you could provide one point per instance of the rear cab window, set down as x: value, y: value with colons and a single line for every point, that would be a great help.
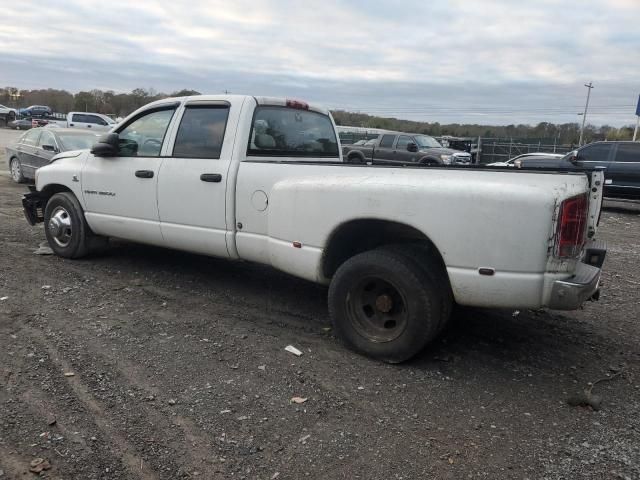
x: 279, y: 131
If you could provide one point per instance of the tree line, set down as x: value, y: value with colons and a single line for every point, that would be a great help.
x: 122, y: 104
x: 98, y: 101
x: 544, y: 132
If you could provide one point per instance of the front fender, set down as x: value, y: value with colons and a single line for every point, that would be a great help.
x: 65, y: 173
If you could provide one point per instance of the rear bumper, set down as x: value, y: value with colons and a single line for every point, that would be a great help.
x: 571, y: 293
x: 33, y: 204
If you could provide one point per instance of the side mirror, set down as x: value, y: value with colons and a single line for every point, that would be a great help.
x: 107, y: 146
x: 574, y: 157
x: 412, y: 147
x: 49, y: 148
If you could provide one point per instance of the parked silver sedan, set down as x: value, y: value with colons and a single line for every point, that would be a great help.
x: 38, y: 146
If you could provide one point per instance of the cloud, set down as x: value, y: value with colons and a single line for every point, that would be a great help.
x: 458, y: 60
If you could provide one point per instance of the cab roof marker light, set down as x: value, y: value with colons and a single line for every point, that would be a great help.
x: 297, y: 104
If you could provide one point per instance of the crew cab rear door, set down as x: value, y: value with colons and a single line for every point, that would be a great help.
x: 193, y: 178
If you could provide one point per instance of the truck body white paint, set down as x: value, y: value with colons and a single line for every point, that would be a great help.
x: 283, y: 211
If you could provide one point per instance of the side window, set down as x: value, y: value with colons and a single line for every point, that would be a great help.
x: 595, y: 153
x: 201, y: 132
x: 31, y: 138
x: 143, y: 137
x: 46, y: 138
x: 387, y: 141
x: 292, y: 132
x: 403, y: 141
x: 628, y: 152
x: 95, y: 120
x: 78, y: 117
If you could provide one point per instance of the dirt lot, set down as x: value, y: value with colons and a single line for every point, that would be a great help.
x: 146, y: 363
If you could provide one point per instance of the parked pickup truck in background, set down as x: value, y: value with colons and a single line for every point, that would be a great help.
x: 95, y: 121
x: 403, y: 148
x: 262, y: 179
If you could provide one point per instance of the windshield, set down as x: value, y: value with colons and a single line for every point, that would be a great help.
x: 424, y: 141
x: 77, y: 141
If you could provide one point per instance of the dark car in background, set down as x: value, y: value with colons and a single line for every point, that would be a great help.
x: 36, y: 111
x: 38, y: 146
x: 620, y: 159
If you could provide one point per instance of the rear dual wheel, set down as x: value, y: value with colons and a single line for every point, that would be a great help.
x: 388, y: 304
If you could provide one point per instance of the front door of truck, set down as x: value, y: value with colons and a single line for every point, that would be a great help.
x: 193, y: 180
x: 120, y: 192
x: 402, y: 154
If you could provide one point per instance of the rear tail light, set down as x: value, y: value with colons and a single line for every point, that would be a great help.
x: 572, y: 223
x: 297, y: 104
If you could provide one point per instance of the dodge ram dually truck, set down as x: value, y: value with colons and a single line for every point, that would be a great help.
x: 262, y: 179
x: 404, y: 148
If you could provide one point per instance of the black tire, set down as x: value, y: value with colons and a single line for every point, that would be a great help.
x: 357, y: 159
x: 15, y: 169
x: 66, y: 229
x: 428, y: 161
x: 385, y: 305
x: 431, y: 266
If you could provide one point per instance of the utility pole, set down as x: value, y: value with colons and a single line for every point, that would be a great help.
x: 584, y: 115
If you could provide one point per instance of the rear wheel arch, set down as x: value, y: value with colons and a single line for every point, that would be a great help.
x: 359, y: 235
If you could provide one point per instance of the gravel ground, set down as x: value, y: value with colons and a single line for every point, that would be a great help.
x: 151, y: 364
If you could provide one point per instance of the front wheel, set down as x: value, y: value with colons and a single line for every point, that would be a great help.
x: 66, y: 229
x: 386, y: 305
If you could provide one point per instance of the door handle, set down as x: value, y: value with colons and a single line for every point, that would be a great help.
x: 88, y: 126
x: 144, y: 173
x: 71, y: 125
x: 211, y: 177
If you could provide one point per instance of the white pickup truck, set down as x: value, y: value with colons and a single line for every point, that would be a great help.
x: 95, y: 121
x: 262, y: 179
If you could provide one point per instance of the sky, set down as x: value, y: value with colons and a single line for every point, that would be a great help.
x: 466, y: 61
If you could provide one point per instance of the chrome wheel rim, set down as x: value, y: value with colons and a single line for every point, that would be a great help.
x: 15, y: 170
x: 60, y: 227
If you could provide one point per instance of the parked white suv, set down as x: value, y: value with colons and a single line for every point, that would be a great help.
x: 262, y: 179
x: 7, y: 114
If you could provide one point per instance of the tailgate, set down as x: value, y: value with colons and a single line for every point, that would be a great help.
x: 596, y: 181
